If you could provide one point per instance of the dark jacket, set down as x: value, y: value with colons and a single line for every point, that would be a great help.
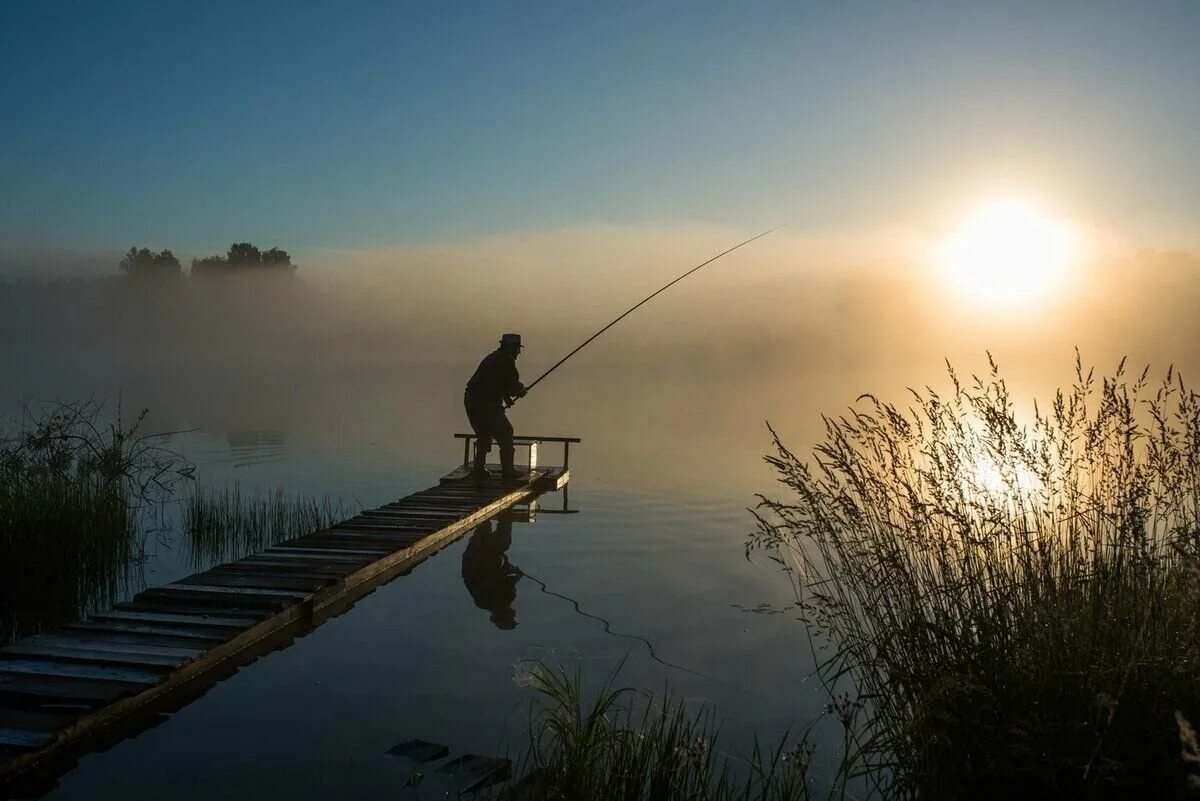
x: 496, y: 379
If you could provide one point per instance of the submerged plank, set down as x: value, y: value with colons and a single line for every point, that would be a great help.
x: 470, y: 772
x: 419, y: 751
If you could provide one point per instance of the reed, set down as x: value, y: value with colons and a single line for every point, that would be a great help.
x: 76, y: 496
x: 1012, y: 607
x: 227, y: 524
x: 627, y: 745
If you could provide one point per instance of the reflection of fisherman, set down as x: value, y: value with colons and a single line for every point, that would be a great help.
x: 490, y: 577
x: 495, y: 383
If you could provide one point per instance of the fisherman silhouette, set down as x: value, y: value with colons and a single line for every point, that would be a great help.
x: 489, y: 576
x: 495, y: 384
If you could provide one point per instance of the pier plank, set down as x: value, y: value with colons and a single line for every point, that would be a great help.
x: 148, y: 661
x: 35, y: 720
x: 177, y: 631
x: 108, y: 646
x: 223, y: 621
x: 253, y: 581
x: 27, y: 690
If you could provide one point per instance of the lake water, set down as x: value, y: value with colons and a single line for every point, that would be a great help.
x: 654, y: 558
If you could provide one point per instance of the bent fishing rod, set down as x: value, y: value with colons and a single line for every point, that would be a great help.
x: 641, y: 303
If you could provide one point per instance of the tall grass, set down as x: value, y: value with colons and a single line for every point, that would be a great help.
x: 624, y: 745
x: 221, y: 525
x: 74, y: 498
x: 1014, y: 607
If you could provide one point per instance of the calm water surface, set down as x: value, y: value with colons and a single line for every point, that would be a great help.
x: 655, y: 555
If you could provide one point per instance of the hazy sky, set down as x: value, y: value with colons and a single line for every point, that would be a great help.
x: 354, y: 124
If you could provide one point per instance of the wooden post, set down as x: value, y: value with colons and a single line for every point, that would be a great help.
x: 532, y: 455
x: 466, y: 451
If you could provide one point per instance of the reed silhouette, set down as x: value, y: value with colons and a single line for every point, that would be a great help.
x: 1012, y: 606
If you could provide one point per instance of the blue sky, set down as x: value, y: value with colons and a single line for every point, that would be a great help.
x: 355, y: 124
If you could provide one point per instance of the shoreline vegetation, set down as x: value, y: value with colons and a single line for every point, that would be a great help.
x: 1011, y: 606
x: 222, y: 525
x: 73, y: 486
x: 80, y: 496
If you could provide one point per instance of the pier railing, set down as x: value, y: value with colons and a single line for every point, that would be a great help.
x: 526, y: 441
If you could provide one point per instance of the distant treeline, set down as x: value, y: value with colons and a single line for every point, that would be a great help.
x: 242, y: 258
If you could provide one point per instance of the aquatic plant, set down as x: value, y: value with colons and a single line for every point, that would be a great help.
x: 627, y: 745
x: 227, y: 524
x: 1013, y: 607
x: 75, y: 495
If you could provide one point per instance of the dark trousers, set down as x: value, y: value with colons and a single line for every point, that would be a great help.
x: 490, y: 423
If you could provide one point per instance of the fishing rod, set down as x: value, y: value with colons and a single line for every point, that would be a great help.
x: 640, y: 303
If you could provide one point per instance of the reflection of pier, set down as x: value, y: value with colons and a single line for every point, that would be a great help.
x: 116, y: 672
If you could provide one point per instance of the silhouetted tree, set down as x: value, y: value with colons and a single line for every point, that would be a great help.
x: 243, y: 258
x: 144, y: 263
x: 244, y: 254
x: 276, y: 257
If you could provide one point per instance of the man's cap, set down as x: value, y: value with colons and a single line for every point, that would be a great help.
x: 511, y: 339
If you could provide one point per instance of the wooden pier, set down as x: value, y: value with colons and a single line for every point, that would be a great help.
x: 98, y: 680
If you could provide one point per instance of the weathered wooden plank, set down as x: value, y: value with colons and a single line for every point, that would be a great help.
x: 353, y: 561
x: 103, y: 644
x: 19, y: 738
x: 407, y: 513
x: 154, y: 662
x: 26, y: 690
x: 440, y: 505
x: 264, y: 593
x: 322, y: 553
x: 177, y: 607
x: 380, y: 548
x: 280, y: 565
x: 253, y: 582
x: 139, y: 639
x: 206, y: 597
x: 208, y: 634
x: 399, y: 537
x: 43, y: 667
x: 222, y: 621
x: 35, y: 719
x: 367, y: 530
x: 290, y: 571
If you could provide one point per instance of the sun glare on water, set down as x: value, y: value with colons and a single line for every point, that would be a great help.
x: 1006, y: 252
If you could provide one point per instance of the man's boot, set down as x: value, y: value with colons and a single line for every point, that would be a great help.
x: 506, y: 465
x: 479, y: 468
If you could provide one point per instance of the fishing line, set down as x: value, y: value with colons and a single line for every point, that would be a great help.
x: 649, y: 645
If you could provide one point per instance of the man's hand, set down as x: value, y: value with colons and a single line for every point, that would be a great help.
x: 521, y: 390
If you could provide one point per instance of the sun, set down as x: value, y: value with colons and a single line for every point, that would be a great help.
x: 1006, y: 252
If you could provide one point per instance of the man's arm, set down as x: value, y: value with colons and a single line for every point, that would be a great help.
x: 513, y: 386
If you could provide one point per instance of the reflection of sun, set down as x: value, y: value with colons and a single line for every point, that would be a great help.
x: 1006, y: 252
